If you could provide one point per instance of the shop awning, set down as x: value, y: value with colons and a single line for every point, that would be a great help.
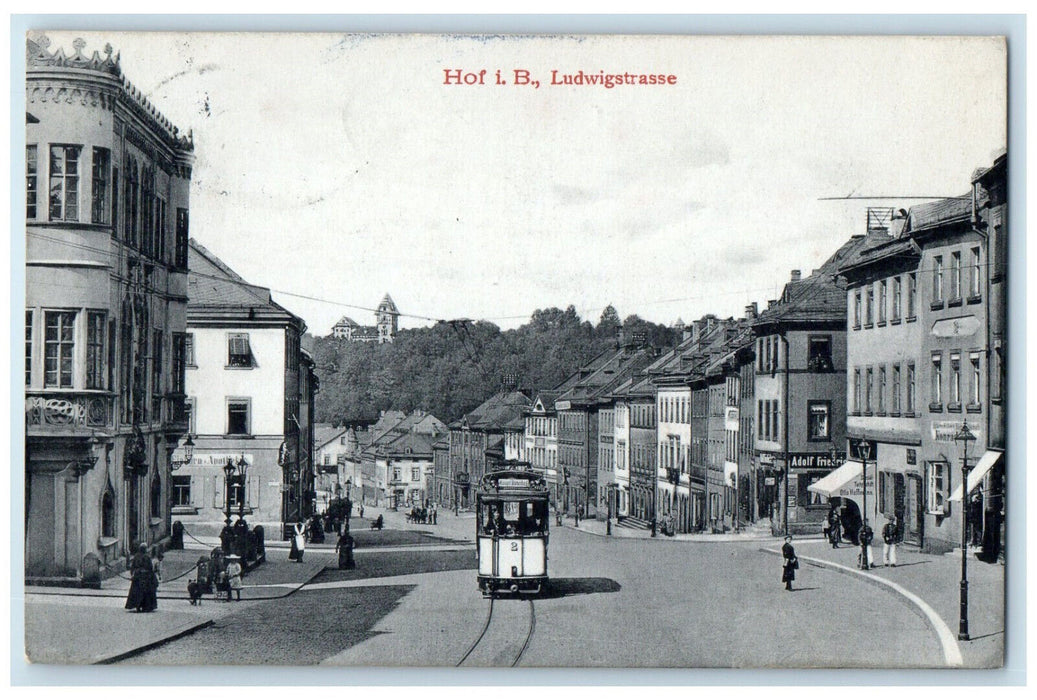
x: 983, y: 466
x: 843, y: 481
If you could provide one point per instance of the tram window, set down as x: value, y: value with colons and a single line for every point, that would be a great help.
x: 513, y: 518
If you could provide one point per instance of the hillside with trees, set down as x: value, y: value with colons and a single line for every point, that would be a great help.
x: 450, y: 368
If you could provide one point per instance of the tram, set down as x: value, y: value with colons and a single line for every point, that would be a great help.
x: 512, y: 532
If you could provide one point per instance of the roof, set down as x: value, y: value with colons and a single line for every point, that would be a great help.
x: 215, y: 290
x: 600, y: 383
x: 934, y: 214
x: 496, y: 412
x: 416, y: 444
x: 323, y: 433
x: 819, y: 297
x: 345, y: 321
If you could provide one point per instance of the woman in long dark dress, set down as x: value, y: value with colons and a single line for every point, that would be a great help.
x: 789, y: 563
x: 142, y: 596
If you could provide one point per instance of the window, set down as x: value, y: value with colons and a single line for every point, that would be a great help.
x: 181, y: 491
x: 909, y: 403
x: 64, y: 183
x: 96, y: 330
x: 239, y: 353
x: 763, y: 421
x: 895, y: 311
x: 974, y: 385
x: 28, y: 347
x: 415, y: 473
x: 189, y: 414
x: 894, y: 404
x: 857, y: 309
x: 975, y: 273
x: 101, y: 192
x: 189, y: 350
x: 955, y: 397
x: 130, y: 202
x: 395, y: 473
x: 31, y: 184
x: 881, y: 403
x: 181, y: 238
x: 115, y: 201
x: 59, y: 348
x: 156, y: 363
x: 238, y: 417
x: 956, y: 275
x: 882, y: 301
x: 818, y: 424
x: 936, y: 488
x: 912, y: 294
x: 868, y: 382
x: 108, y: 513
x: 819, y: 354
x: 869, y: 306
x: 177, y: 377
x: 857, y: 390
x: 937, y: 278
x: 156, y: 497
x: 237, y: 493
x: 936, y: 395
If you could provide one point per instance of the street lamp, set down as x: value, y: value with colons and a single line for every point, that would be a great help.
x: 228, y: 471
x: 964, y: 436
x: 242, y: 470
x: 864, y: 452
x: 187, y: 453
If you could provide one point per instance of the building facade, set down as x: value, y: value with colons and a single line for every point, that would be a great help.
x: 250, y: 395
x: 107, y: 182
x: 384, y: 331
x: 800, y: 391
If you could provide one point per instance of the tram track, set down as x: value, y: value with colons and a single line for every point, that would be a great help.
x: 498, y: 648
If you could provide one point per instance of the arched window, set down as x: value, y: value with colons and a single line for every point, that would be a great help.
x: 156, y: 497
x: 108, y: 512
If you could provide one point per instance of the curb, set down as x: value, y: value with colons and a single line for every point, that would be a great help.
x: 948, y: 642
x: 151, y: 645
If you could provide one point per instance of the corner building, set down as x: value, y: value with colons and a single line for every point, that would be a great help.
x: 106, y: 210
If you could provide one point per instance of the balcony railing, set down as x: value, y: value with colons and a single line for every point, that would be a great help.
x: 60, y: 411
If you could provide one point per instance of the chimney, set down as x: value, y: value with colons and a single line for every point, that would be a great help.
x: 796, y: 275
x: 751, y: 311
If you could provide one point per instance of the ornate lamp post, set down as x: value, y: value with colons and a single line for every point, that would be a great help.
x: 864, y: 452
x: 240, y: 478
x: 228, y: 471
x: 964, y: 436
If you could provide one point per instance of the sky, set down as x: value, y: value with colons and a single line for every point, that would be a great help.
x: 341, y: 167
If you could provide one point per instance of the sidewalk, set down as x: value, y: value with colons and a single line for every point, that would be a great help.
x: 114, y: 633
x: 597, y: 527
x: 933, y: 578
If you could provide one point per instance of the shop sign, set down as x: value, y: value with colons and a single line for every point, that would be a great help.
x: 563, y: 405
x: 766, y: 459
x: 218, y: 459
x: 815, y: 460
x: 731, y: 418
x: 945, y: 430
x: 769, y: 481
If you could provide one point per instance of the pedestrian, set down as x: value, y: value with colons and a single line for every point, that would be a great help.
x: 435, y: 513
x: 834, y: 527
x: 789, y: 563
x: 361, y: 509
x: 142, y: 596
x: 298, y: 542
x: 157, y: 565
x: 864, y: 538
x: 890, y: 539
x: 234, y: 576
x: 344, y: 547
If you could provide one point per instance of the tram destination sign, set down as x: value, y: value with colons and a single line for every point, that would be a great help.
x: 513, y: 483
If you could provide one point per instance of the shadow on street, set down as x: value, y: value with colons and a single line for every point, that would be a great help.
x: 562, y: 587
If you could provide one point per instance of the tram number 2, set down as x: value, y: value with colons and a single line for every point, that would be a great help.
x: 514, y: 546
